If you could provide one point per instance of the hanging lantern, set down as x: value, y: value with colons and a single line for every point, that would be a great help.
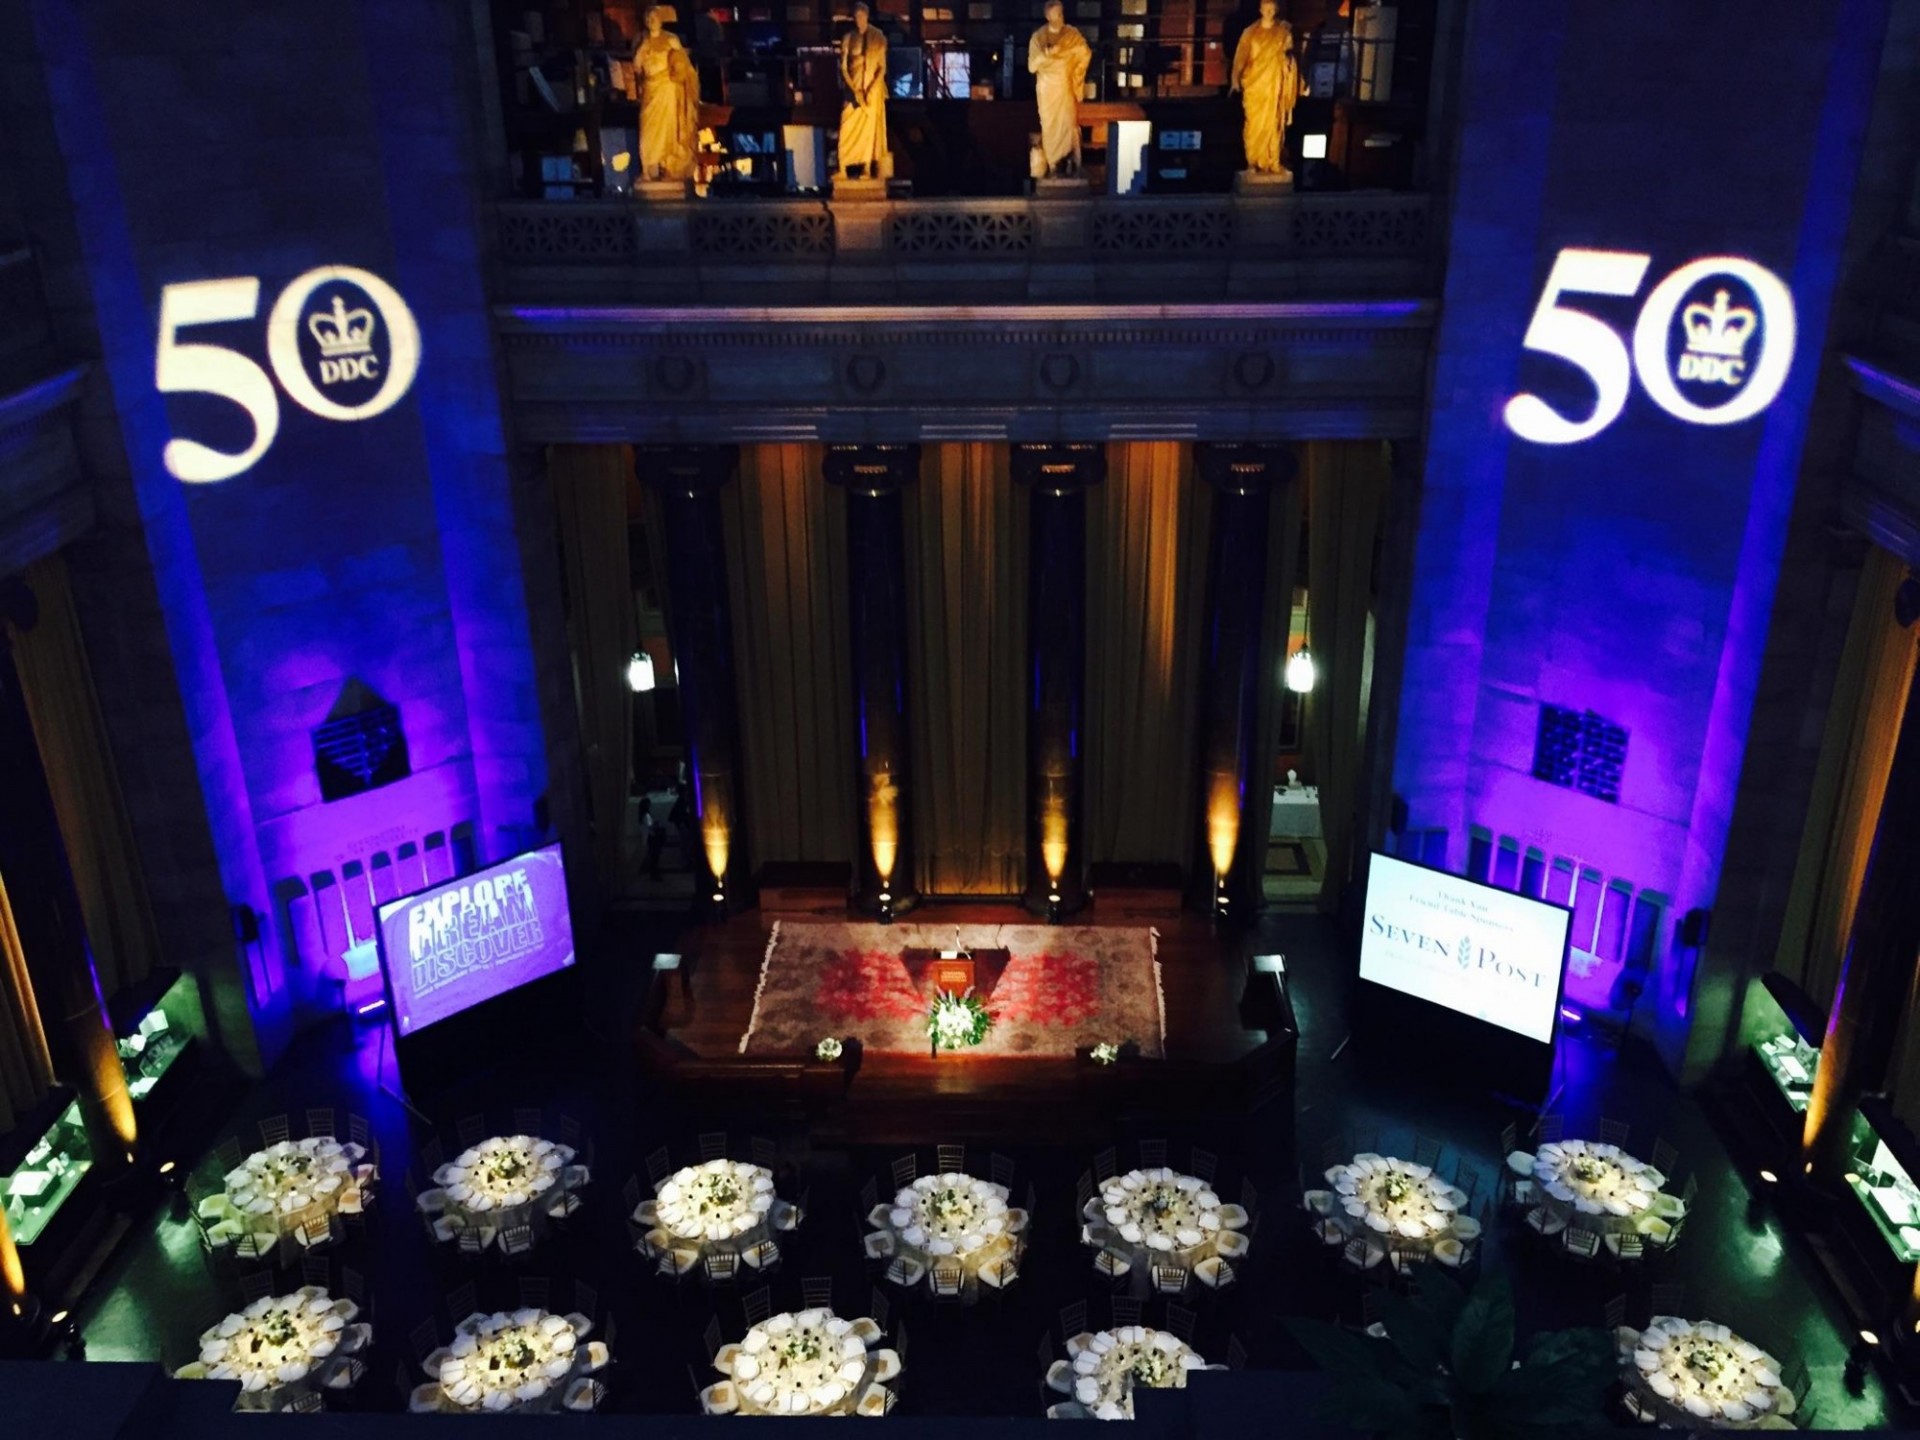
x: 1300, y: 671
x: 640, y: 672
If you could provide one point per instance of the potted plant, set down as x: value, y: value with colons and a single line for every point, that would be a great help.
x: 1449, y: 1368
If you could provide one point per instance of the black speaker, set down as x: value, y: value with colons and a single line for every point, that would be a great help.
x: 1693, y: 928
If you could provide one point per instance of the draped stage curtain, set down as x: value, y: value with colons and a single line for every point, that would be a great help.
x: 1146, y: 591
x: 1856, y: 753
x: 51, y: 660
x: 1347, y: 484
x: 966, y: 659
x: 590, y: 498
x: 26, y: 1069
x: 787, y: 574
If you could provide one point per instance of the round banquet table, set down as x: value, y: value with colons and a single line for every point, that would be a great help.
x: 946, y: 1218
x: 280, y: 1347
x: 524, y: 1362
x: 507, y: 1180
x: 1399, y: 1203
x: 273, y: 1191
x: 1601, y: 1181
x: 1700, y: 1375
x: 1103, y: 1369
x: 721, y: 1203
x: 807, y: 1363
x: 1160, y: 1216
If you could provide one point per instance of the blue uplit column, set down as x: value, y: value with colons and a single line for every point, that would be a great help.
x: 1058, y: 477
x: 874, y: 477
x: 1243, y: 478
x: 699, y: 619
x: 1877, y: 973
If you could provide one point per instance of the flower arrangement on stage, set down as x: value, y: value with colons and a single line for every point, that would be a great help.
x: 829, y: 1049
x: 958, y: 1021
x: 1105, y: 1053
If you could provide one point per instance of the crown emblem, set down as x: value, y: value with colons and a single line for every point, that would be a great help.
x: 349, y: 332
x: 1722, y: 329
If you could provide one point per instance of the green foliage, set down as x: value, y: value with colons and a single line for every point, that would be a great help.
x: 1447, y: 1370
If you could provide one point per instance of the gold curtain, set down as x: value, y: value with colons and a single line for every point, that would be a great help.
x: 590, y: 499
x: 1856, y: 752
x: 966, y: 659
x: 786, y: 535
x: 1146, y: 588
x: 1347, y: 484
x: 26, y: 1069
x: 71, y: 735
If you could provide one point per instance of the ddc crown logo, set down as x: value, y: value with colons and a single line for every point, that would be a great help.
x: 1717, y: 337
x: 344, y: 337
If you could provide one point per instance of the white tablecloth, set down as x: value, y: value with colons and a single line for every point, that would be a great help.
x: 508, y: 1180
x: 1698, y: 1374
x: 1601, y: 1181
x: 1105, y: 1368
x: 520, y: 1361
x: 720, y: 1202
x: 809, y: 1363
x: 1161, y: 1216
x: 278, y: 1347
x: 272, y: 1190
x: 1296, y: 811
x: 1394, y: 1202
x: 945, y: 1219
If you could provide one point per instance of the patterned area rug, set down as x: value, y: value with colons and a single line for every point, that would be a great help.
x: 1063, y: 988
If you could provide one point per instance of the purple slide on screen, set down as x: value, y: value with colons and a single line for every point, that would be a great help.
x: 451, y: 947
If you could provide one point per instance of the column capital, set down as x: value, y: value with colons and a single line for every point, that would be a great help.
x: 872, y: 469
x: 689, y: 470
x: 1245, y: 469
x: 1060, y: 469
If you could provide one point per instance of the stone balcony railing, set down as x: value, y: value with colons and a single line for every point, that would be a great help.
x: 801, y: 251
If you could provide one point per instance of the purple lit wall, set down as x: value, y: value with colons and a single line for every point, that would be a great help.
x: 1630, y: 574
x: 234, y: 139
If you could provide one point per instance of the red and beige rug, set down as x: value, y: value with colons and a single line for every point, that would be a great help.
x: 1064, y: 987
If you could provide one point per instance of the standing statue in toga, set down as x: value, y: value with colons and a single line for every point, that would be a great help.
x: 1058, y: 55
x: 1266, y: 76
x: 669, y: 103
x: 863, y: 113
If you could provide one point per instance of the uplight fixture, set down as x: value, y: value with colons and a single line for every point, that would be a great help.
x: 1301, y: 672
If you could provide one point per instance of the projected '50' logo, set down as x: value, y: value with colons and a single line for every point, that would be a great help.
x: 341, y: 341
x: 1712, y: 345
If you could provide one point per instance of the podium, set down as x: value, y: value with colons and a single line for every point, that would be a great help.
x: 955, y: 971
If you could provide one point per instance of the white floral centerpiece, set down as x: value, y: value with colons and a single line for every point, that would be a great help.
x: 949, y: 1211
x: 958, y: 1021
x: 1395, y: 1188
x: 1105, y: 1053
x: 829, y: 1049
x: 1588, y: 1169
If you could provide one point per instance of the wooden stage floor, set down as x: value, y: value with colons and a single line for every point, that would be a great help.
x: 1201, y: 974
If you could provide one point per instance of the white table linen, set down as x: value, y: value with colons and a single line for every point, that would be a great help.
x: 502, y: 1181
x: 718, y: 1203
x: 809, y: 1362
x: 280, y: 1346
x: 1395, y: 1203
x: 1106, y: 1367
x: 1159, y: 1216
x: 1699, y: 1374
x: 523, y: 1360
x: 1612, y: 1188
x: 271, y: 1191
x: 944, y: 1219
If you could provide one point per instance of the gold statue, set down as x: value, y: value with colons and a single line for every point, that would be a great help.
x: 1267, y: 78
x: 863, y: 113
x: 1058, y: 56
x: 669, y: 103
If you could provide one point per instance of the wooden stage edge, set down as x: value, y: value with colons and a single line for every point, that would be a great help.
x: 1229, y: 1046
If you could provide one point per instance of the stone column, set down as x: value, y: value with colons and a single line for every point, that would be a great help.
x: 1877, y: 971
x: 874, y: 478
x: 1057, y: 477
x: 46, y: 912
x: 1243, y: 478
x: 701, y: 623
